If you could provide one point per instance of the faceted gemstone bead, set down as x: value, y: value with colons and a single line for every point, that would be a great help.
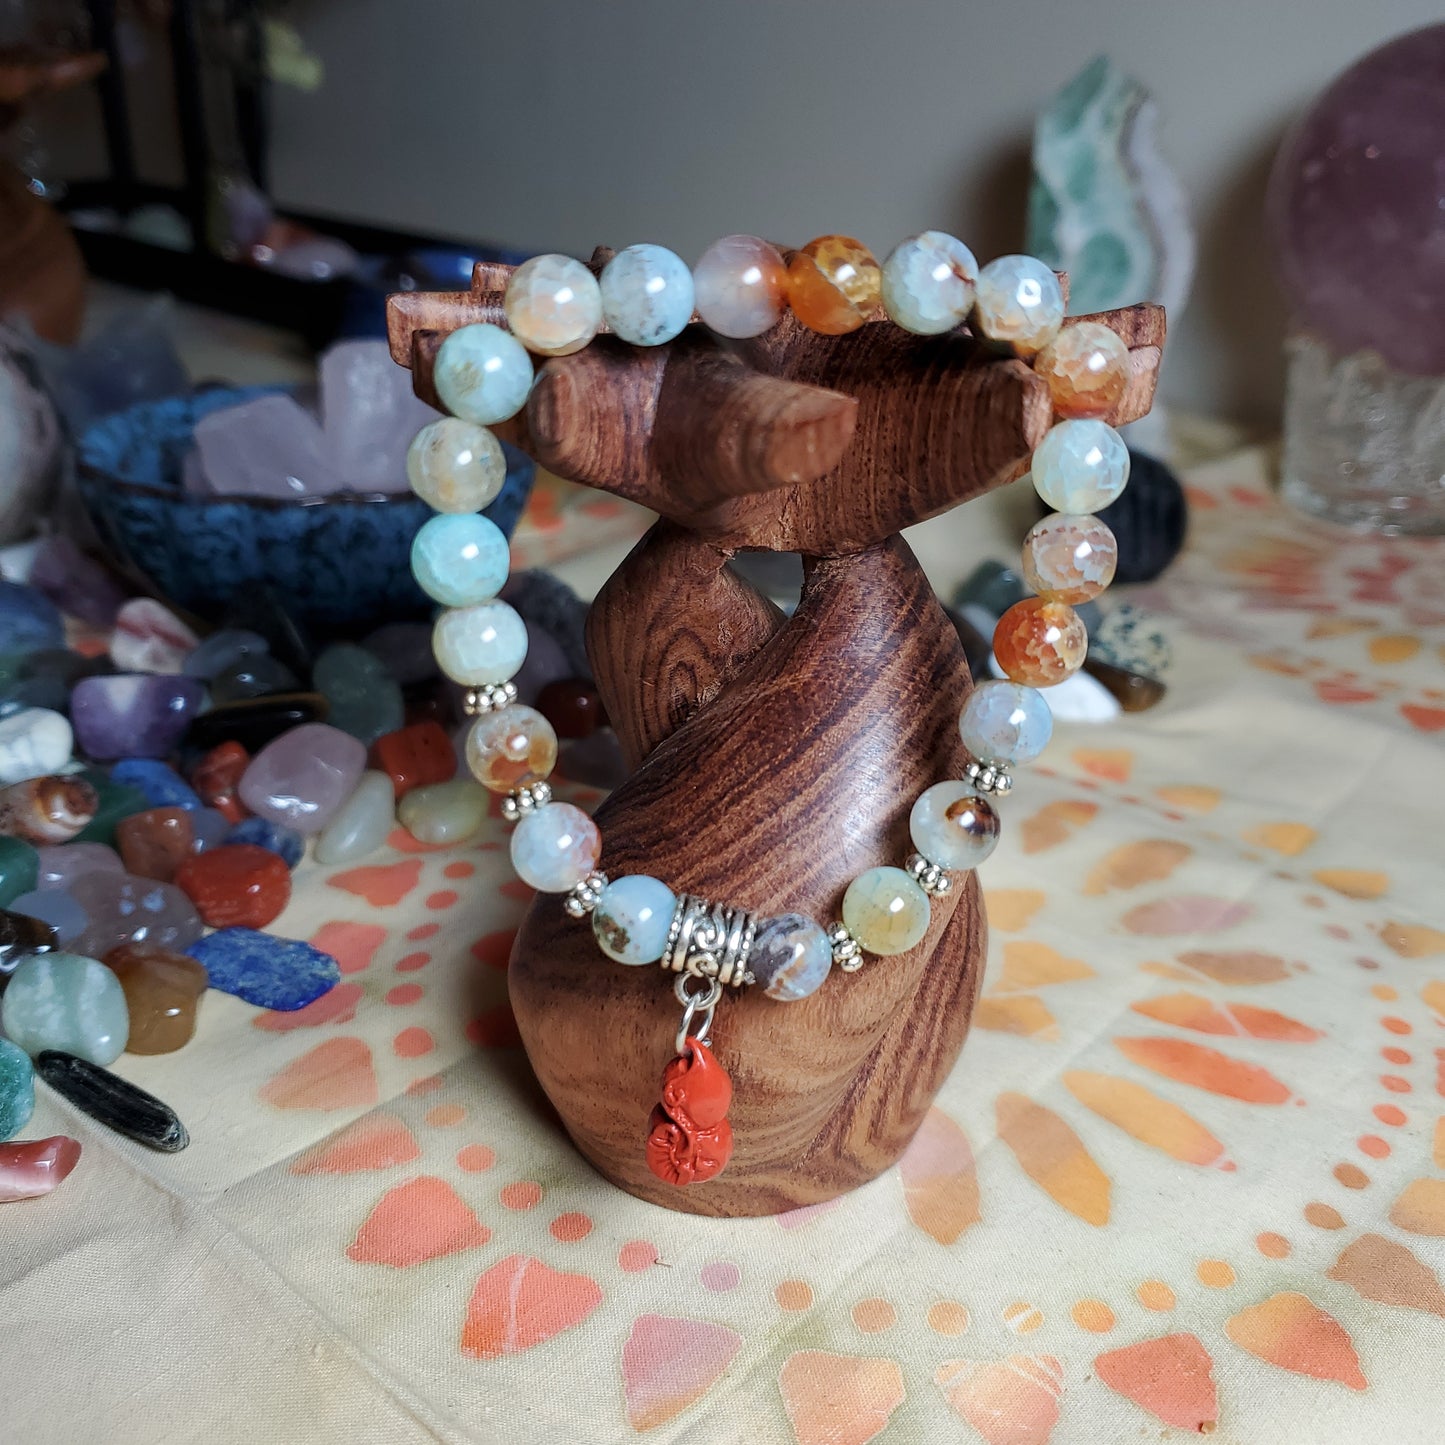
x: 47, y: 810
x: 251, y: 725
x: 928, y: 283
x: 510, y: 748
x: 481, y: 644
x: 133, y: 715
x: 555, y: 848
x: 162, y: 990
x: 217, y: 776
x: 952, y: 826
x: 261, y: 969
x: 1087, y: 368
x: 60, y: 865
x: 1081, y: 466
x: 29, y: 620
x: 55, y: 910
x: 363, y: 697
x: 66, y: 1001
x: 17, y: 1089
x: 741, y: 286
x: 19, y: 869
x: 21, y: 935
x: 553, y: 305
x: 77, y: 584
x: 223, y: 650
x: 886, y: 911
x: 155, y: 843
x: 31, y: 1168
x: 833, y: 284
x: 1040, y: 643
x: 162, y: 785
x: 112, y: 1101
x: 482, y: 374
x: 1018, y: 304
x: 443, y: 812
x: 33, y: 742
x: 1069, y: 558
x: 455, y: 465
x: 572, y: 705
x: 150, y: 638
x: 286, y: 843
x: 132, y: 910
x: 1004, y: 723
x: 791, y: 957
x: 113, y: 801
x: 414, y: 756
x: 361, y: 824
x: 632, y: 918
x: 236, y: 885
x: 647, y: 294
x: 258, y: 676
x: 303, y: 777
x: 460, y: 560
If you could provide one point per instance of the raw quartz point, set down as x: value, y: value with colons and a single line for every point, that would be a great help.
x: 369, y: 415
x: 268, y: 447
x: 47, y: 810
x: 32, y: 1167
x: 113, y: 1102
x: 162, y: 991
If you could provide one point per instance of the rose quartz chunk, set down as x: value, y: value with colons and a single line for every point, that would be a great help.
x: 32, y: 1167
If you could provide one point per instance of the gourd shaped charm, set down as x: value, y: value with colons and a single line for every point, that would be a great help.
x: 689, y: 1138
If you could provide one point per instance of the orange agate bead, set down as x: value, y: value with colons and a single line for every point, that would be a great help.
x: 1039, y: 643
x: 1087, y: 368
x: 833, y: 283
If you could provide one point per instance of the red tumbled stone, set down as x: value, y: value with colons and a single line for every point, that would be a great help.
x: 415, y: 756
x: 217, y: 776
x: 572, y: 706
x: 153, y: 844
x: 236, y: 885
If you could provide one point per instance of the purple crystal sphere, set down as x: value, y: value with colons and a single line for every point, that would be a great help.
x: 1356, y: 207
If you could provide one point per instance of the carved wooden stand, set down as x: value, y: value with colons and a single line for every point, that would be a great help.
x: 775, y: 758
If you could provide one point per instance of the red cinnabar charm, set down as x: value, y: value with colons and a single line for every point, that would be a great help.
x: 690, y: 1139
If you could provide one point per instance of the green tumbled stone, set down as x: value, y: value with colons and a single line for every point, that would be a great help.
x: 17, y: 1089
x: 444, y: 812
x: 117, y: 801
x: 19, y: 869
x: 365, y: 699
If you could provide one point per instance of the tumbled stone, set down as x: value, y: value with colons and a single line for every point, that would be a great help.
x: 162, y: 786
x: 361, y: 824
x: 132, y: 910
x: 404, y: 650
x: 162, y: 991
x: 30, y: 1168
x: 155, y: 843
x: 1131, y: 690
x: 19, y: 869
x: 236, y: 885
x: 596, y: 761
x: 77, y: 584
x: 114, y: 801
x: 217, y: 776
x: 21, y: 935
x: 253, y: 724
x: 44, y: 679
x: 149, y: 637
x: 443, y: 812
x: 17, y: 1089
x: 133, y: 714
x: 268, y: 447
x: 66, y: 1001
x: 222, y: 650
x: 304, y: 776
x: 365, y: 700
x: 111, y: 1101
x: 33, y: 742
x: 61, y: 864
x: 211, y: 829
x: 57, y: 910
x: 572, y: 705
x: 270, y: 972
x: 286, y: 843
x: 415, y: 756
x: 259, y: 609
x: 28, y: 620
x: 52, y: 809
x: 260, y: 676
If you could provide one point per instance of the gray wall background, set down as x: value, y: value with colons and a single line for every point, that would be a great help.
x: 558, y: 124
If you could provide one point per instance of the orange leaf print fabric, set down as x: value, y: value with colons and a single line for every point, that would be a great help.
x: 1205, y: 1069
x: 1053, y: 1156
x: 1172, y: 1378
x: 1146, y: 1117
x: 1150, y: 860
x: 1291, y: 1331
x: 940, y: 1184
x: 520, y: 1303
x: 1014, y: 1401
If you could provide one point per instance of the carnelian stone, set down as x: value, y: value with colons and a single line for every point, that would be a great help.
x: 415, y: 756
x: 1039, y: 643
x: 573, y: 707
x: 833, y: 283
x: 237, y: 885
x: 153, y: 844
x: 162, y: 989
x: 217, y: 776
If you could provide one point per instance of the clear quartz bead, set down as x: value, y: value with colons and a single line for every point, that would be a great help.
x: 1018, y: 304
x: 455, y: 465
x: 1081, y: 466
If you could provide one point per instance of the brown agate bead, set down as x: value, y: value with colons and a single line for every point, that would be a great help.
x: 1039, y: 643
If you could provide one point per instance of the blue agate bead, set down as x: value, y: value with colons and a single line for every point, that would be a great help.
x: 460, y: 559
x: 1003, y: 722
x: 647, y: 294
x: 632, y: 918
x: 790, y: 957
x: 482, y: 373
x: 482, y: 644
x: 1081, y: 466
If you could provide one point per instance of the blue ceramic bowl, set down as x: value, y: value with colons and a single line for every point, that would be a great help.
x: 340, y: 563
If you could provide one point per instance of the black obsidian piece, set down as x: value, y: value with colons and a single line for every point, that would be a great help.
x: 111, y: 1101
x: 21, y: 936
x: 255, y: 722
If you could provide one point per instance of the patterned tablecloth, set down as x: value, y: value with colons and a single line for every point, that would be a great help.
x: 1188, y: 1176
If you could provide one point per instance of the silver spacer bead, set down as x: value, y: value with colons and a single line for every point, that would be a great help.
x: 989, y: 777
x: 934, y: 881
x: 583, y: 897
x: 521, y: 801
x: 491, y: 698
x: 710, y: 940
x: 847, y: 951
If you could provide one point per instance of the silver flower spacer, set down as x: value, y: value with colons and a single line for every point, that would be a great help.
x: 710, y: 940
x: 521, y: 801
x: 583, y: 897
x: 989, y: 777
x: 934, y: 880
x: 491, y: 698
x: 847, y: 951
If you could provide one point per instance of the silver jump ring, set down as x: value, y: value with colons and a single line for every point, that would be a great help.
x: 702, y: 1003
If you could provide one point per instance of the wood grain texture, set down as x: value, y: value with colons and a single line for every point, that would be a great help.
x: 775, y: 758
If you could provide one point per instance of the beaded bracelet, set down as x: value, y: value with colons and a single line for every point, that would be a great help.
x: 930, y: 284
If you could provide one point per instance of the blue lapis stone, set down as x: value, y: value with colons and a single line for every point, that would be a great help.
x: 261, y: 969
x: 162, y: 785
x: 29, y: 620
x: 285, y: 842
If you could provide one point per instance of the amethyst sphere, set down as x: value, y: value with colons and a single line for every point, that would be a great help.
x: 1357, y: 207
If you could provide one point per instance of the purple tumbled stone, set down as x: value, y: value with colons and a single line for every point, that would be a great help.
x: 1357, y: 207
x: 58, y: 909
x: 133, y: 715
x: 304, y: 776
x: 62, y: 863
x: 78, y: 585
x: 124, y: 909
